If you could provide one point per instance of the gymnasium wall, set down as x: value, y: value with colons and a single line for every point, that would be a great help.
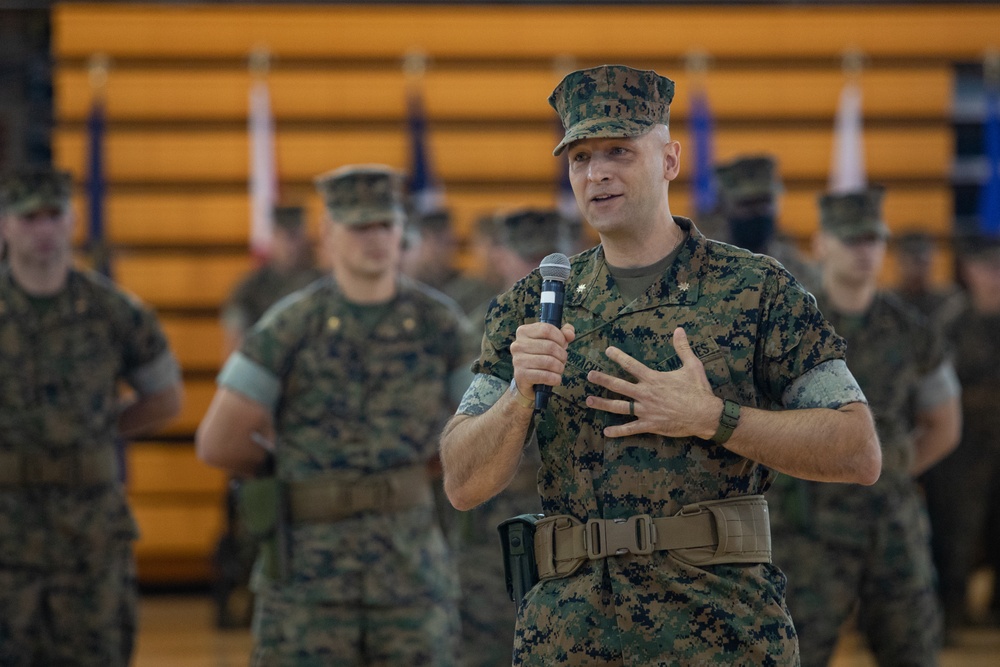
x: 177, y: 147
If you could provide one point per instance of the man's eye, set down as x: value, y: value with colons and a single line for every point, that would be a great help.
x: 578, y: 157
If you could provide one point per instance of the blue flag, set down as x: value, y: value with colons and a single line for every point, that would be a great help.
x: 97, y: 245
x: 989, y: 195
x: 425, y: 189
x: 702, y: 132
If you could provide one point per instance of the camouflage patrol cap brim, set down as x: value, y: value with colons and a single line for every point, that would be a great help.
x: 611, y: 101
x: 27, y: 191
x: 363, y: 194
x: 853, y: 215
x: 751, y: 177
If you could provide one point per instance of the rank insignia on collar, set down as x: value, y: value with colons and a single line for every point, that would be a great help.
x: 581, y: 288
x: 683, y: 286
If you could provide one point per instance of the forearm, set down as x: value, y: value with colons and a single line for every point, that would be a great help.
x: 480, y: 454
x: 234, y: 433
x: 151, y: 412
x: 939, y: 430
x: 817, y: 444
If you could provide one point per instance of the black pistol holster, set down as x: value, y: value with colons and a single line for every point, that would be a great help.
x: 517, y: 540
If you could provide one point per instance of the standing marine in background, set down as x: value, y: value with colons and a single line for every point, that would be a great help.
x: 69, y: 339
x: 749, y: 197
x: 963, y: 490
x: 915, y: 263
x: 342, y: 385
x: 846, y: 546
x: 431, y: 255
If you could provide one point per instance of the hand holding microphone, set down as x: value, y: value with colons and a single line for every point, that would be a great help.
x: 555, y: 270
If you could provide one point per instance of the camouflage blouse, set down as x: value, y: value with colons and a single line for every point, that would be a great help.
x: 756, y: 330
x: 359, y: 400
x: 61, y: 361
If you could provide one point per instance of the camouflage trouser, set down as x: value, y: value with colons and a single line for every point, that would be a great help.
x: 69, y: 618
x: 884, y: 568
x: 487, y: 612
x: 583, y: 621
x: 296, y: 634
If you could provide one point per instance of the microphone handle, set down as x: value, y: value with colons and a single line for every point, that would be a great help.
x: 551, y: 313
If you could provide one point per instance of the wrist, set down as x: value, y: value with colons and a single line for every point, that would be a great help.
x: 519, y: 398
x: 729, y: 418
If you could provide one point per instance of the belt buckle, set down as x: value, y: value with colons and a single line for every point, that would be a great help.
x: 617, y: 537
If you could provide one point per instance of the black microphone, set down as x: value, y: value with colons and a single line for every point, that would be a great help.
x: 555, y: 270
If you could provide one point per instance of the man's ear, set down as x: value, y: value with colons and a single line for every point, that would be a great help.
x: 671, y: 160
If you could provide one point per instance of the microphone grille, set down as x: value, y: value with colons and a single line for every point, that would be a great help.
x: 555, y: 267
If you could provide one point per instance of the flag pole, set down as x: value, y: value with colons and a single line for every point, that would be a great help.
x: 847, y: 169
x: 263, y: 170
x: 426, y: 191
x: 989, y: 195
x: 703, y: 180
x: 98, y: 68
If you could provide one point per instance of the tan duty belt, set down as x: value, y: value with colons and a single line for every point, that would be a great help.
x: 331, y: 497
x: 732, y: 530
x: 89, y: 468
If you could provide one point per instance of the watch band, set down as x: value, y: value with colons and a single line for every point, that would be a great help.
x: 521, y: 399
x: 728, y: 420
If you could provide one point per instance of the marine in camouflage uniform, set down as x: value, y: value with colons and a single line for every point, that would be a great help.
x: 963, y: 490
x: 348, y: 377
x: 523, y: 237
x: 68, y: 338
x: 749, y: 192
x: 845, y: 546
x: 661, y: 328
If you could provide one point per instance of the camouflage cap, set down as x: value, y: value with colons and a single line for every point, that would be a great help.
x: 978, y: 246
x: 748, y: 177
x: 853, y: 215
x: 611, y: 101
x: 534, y: 233
x: 915, y: 243
x: 363, y: 194
x: 291, y: 218
x: 436, y: 221
x: 29, y: 190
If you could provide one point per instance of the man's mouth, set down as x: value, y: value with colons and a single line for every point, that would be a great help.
x: 603, y: 197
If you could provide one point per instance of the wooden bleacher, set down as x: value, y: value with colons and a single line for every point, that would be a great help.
x: 177, y: 155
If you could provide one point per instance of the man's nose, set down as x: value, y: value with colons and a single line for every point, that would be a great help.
x: 597, y: 169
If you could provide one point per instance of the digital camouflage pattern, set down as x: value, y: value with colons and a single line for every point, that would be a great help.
x: 756, y: 330
x: 611, y: 101
x: 356, y: 401
x: 60, y: 364
x: 841, y: 544
x: 749, y: 177
x: 363, y: 194
x: 30, y: 190
x: 853, y: 215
